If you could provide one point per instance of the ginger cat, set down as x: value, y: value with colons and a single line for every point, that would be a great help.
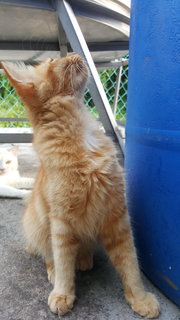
x: 78, y: 198
x: 12, y: 185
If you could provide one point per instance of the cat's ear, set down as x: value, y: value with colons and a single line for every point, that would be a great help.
x: 14, y: 150
x: 19, y: 75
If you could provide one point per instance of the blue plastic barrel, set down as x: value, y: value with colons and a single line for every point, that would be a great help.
x: 152, y: 159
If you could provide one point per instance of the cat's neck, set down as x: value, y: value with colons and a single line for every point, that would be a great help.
x: 62, y: 130
x: 62, y: 106
x: 56, y: 109
x: 63, y: 115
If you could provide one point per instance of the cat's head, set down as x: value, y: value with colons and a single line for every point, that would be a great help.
x: 8, y: 160
x: 36, y: 84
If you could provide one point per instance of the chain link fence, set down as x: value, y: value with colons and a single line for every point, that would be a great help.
x: 12, y: 112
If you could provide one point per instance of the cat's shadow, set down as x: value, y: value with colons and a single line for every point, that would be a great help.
x: 101, y: 278
x: 29, y: 287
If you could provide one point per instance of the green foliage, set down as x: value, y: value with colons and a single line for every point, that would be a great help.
x: 108, y: 79
x: 12, y: 107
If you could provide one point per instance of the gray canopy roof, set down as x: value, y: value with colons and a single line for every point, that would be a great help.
x: 29, y: 29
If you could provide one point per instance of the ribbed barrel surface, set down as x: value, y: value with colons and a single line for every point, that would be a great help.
x: 152, y: 159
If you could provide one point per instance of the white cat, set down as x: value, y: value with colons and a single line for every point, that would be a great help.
x: 12, y: 185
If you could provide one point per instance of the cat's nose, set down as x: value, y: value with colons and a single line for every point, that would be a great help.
x: 75, y: 58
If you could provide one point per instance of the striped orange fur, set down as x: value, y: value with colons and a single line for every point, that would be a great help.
x: 78, y: 198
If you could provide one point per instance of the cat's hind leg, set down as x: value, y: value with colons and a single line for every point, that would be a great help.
x: 84, y: 260
x: 36, y: 228
x: 118, y: 241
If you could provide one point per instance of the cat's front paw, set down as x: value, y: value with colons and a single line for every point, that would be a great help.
x: 60, y: 304
x: 147, y: 307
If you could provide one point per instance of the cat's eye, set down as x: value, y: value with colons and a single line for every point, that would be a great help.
x: 8, y: 161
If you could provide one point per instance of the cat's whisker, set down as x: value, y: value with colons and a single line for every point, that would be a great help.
x: 81, y: 70
x: 63, y: 81
x: 84, y: 62
x: 71, y: 78
x: 65, y: 72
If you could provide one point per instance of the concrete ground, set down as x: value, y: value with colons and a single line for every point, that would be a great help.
x: 24, y: 287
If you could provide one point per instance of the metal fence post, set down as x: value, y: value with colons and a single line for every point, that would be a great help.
x: 78, y: 44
